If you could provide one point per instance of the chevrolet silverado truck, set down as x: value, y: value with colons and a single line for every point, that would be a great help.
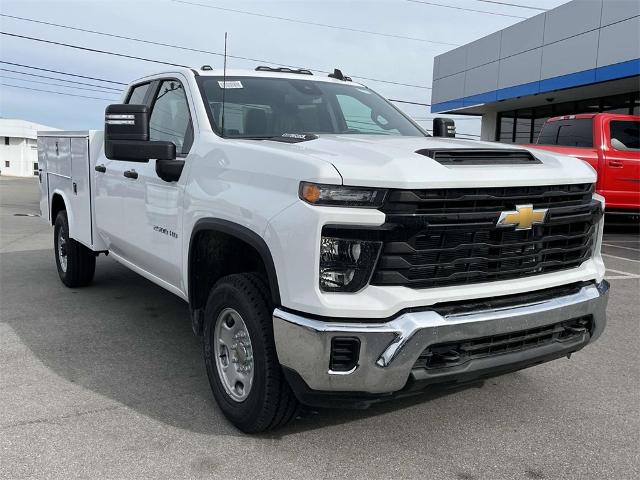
x: 331, y: 252
x: 610, y: 143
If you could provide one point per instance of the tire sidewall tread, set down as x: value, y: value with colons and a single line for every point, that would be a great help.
x: 81, y: 262
x: 270, y: 403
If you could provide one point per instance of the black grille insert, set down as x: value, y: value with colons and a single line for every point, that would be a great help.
x: 449, y: 236
x: 453, y: 354
x: 345, y: 352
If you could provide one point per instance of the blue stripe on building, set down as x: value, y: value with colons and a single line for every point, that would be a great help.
x: 586, y: 77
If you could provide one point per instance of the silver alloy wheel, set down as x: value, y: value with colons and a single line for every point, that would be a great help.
x: 62, y: 250
x: 234, y: 355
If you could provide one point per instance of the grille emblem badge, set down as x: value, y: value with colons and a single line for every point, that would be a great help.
x: 523, y: 217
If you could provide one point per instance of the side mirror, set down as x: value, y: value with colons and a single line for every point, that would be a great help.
x: 444, y: 127
x: 126, y: 135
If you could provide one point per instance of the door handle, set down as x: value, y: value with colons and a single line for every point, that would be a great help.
x: 100, y: 168
x: 616, y: 164
x: 131, y: 174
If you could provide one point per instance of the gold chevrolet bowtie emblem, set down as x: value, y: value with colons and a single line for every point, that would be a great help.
x: 523, y: 217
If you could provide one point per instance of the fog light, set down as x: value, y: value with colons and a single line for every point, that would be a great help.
x: 346, y: 265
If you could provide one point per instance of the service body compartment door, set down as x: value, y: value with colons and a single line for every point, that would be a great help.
x: 44, y: 183
x: 57, y: 151
x: 80, y: 198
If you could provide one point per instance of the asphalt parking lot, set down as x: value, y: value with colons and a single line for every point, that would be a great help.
x: 108, y: 382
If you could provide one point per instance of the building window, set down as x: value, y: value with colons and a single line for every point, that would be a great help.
x: 505, y: 131
x: 523, y: 127
x: 35, y: 168
x: 7, y: 164
x: 6, y: 140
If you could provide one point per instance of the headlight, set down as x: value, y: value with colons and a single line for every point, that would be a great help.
x: 337, y: 195
x: 346, y: 265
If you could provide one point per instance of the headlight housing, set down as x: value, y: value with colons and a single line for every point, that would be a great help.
x: 597, y: 245
x: 346, y: 265
x: 343, y: 196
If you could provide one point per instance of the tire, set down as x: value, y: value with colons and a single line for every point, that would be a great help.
x: 76, y: 263
x: 266, y: 402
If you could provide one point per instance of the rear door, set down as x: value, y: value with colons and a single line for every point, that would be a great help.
x: 111, y: 185
x: 621, y: 171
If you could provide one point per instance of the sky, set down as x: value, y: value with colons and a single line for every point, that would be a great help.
x: 407, y: 60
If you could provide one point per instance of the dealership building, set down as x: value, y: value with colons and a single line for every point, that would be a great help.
x: 581, y: 57
x: 19, y: 147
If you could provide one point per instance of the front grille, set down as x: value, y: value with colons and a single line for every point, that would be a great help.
x: 446, y: 237
x: 453, y: 354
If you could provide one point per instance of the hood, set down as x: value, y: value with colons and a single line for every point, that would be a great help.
x: 392, y: 161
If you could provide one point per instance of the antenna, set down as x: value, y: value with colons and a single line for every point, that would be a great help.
x: 224, y: 80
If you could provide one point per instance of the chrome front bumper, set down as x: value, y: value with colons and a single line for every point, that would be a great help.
x: 388, y: 351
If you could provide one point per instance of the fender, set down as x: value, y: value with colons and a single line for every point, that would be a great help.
x: 244, y: 234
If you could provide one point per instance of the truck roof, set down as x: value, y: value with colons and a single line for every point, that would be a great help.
x: 218, y: 72
x: 593, y: 115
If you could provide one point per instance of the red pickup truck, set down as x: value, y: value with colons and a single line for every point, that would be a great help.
x: 610, y: 143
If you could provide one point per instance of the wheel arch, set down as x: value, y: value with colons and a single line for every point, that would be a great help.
x: 59, y: 202
x: 245, y: 235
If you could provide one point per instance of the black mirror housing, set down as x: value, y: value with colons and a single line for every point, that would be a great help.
x: 169, y: 170
x: 139, y: 151
x: 126, y: 122
x: 126, y: 135
x: 444, y: 127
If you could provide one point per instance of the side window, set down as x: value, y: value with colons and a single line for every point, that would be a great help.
x: 137, y: 94
x: 576, y: 133
x: 358, y: 116
x: 170, y: 119
x: 625, y: 135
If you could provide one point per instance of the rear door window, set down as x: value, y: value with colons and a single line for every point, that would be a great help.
x: 138, y: 93
x: 625, y: 135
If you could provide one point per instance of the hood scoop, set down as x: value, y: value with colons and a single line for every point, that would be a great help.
x: 479, y: 156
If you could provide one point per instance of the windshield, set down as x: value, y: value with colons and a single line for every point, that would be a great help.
x: 259, y: 107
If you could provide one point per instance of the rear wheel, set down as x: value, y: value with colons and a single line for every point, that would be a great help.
x: 76, y: 263
x: 240, y: 355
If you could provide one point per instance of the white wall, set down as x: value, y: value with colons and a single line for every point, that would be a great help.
x: 489, y: 126
x: 22, y: 151
x: 21, y: 154
x: 577, y: 37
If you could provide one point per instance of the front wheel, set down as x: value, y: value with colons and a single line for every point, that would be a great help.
x: 76, y: 263
x: 240, y: 355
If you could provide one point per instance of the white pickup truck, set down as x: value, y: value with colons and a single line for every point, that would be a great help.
x: 331, y: 251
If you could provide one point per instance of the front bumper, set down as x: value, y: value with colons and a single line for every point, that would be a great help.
x: 389, y: 351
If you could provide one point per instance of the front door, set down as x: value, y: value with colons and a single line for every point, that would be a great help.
x: 621, y: 172
x: 152, y: 207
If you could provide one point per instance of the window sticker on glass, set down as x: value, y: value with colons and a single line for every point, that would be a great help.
x: 230, y: 84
